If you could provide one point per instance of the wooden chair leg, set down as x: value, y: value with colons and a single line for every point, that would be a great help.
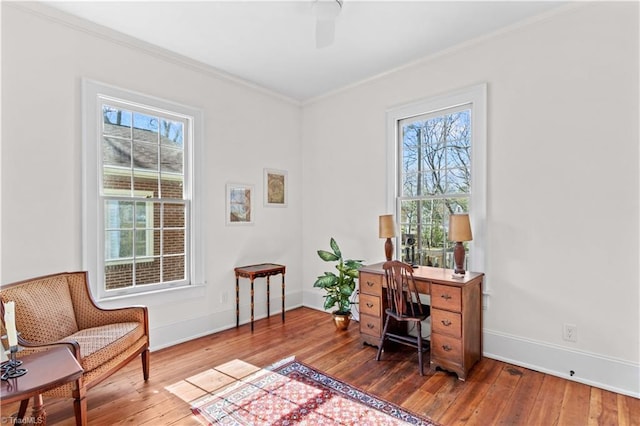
x: 80, y: 405
x: 384, y: 333
x: 22, y: 411
x: 419, y: 329
x: 145, y: 364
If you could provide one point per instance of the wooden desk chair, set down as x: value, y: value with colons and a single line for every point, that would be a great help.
x: 404, y: 305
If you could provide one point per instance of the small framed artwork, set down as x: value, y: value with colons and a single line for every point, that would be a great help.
x: 275, y: 188
x: 239, y: 204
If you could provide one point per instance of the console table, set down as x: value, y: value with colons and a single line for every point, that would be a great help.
x: 456, y: 314
x: 46, y: 370
x: 257, y: 271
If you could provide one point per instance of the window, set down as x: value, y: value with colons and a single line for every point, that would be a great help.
x: 438, y: 164
x: 140, y: 197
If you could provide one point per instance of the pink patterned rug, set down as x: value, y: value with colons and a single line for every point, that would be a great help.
x: 290, y: 392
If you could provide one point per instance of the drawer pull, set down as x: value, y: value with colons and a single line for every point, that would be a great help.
x: 369, y: 305
x: 446, y: 347
x: 370, y: 326
x: 446, y: 323
x: 445, y: 296
x: 370, y: 284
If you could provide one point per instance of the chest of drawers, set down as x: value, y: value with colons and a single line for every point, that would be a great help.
x: 456, y: 314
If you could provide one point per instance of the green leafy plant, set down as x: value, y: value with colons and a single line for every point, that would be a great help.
x: 340, y: 286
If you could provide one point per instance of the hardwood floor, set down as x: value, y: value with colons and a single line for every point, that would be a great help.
x: 494, y: 392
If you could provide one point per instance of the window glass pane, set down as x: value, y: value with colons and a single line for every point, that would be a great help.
x: 172, y: 133
x: 116, y: 152
x: 146, y: 182
x: 118, y: 276
x: 174, y: 215
x: 148, y: 272
x: 118, y: 244
x: 116, y: 122
x: 172, y: 160
x: 145, y: 128
x: 410, y: 184
x: 145, y: 156
x: 173, y: 268
x: 144, y: 215
x: 144, y: 243
x: 173, y: 241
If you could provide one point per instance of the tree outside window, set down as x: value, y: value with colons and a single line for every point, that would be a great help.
x: 435, y: 181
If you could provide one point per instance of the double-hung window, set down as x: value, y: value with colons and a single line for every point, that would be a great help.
x: 139, y: 191
x: 438, y: 162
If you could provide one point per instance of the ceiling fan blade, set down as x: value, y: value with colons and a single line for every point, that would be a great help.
x: 325, y: 32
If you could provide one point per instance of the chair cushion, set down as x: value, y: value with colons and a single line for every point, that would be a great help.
x: 44, y: 310
x: 100, y: 344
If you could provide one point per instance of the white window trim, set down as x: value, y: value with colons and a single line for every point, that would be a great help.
x: 477, y: 97
x: 92, y: 213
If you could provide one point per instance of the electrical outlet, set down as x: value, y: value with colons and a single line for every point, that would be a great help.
x: 224, y: 297
x: 570, y: 333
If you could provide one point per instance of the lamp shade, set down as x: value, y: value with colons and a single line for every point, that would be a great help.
x: 459, y: 227
x: 387, y: 226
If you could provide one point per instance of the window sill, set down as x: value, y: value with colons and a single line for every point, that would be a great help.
x: 158, y: 297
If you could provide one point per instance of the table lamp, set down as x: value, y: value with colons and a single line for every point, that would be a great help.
x: 459, y: 231
x: 387, y: 229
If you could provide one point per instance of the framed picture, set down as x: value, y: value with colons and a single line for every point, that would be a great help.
x: 275, y: 188
x: 239, y: 204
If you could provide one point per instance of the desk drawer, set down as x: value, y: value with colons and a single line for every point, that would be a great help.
x: 446, y: 322
x: 370, y: 305
x: 370, y: 325
x: 446, y: 297
x: 446, y: 348
x: 370, y: 284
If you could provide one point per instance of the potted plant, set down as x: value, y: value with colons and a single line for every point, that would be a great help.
x: 340, y: 286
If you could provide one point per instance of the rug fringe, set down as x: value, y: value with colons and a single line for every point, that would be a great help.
x: 281, y: 362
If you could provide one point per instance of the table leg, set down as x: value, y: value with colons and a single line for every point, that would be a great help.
x: 237, y: 302
x: 268, y: 296
x: 37, y: 412
x: 252, y: 304
x: 283, y: 297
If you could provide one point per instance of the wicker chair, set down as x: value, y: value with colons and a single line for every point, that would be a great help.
x: 58, y: 310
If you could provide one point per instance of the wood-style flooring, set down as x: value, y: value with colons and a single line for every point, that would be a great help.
x: 494, y: 392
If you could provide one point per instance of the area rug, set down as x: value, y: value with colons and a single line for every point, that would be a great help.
x: 291, y: 392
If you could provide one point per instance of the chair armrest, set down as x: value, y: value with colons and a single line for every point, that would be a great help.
x: 29, y: 347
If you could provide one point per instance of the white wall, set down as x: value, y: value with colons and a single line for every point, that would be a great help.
x: 246, y: 130
x: 562, y: 184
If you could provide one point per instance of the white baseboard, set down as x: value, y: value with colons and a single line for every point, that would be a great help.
x: 591, y: 369
x: 176, y: 332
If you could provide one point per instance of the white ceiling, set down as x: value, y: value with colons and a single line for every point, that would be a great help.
x: 272, y: 43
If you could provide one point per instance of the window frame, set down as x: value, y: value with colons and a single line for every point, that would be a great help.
x: 93, y: 250
x: 476, y: 97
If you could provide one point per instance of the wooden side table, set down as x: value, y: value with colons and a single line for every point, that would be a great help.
x: 46, y: 370
x: 257, y: 271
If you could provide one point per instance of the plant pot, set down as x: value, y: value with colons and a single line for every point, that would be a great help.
x: 341, y: 321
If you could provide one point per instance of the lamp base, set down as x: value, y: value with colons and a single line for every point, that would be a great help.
x: 388, y: 249
x: 458, y: 258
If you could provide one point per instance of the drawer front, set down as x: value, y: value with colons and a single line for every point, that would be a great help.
x: 446, y: 322
x: 446, y: 348
x: 370, y: 305
x: 371, y: 325
x: 446, y: 297
x: 370, y: 284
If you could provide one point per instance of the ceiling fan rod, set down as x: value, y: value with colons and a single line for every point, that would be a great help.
x: 326, y: 11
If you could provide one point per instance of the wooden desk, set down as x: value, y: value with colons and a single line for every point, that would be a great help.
x: 456, y: 314
x: 46, y: 370
x: 256, y: 271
